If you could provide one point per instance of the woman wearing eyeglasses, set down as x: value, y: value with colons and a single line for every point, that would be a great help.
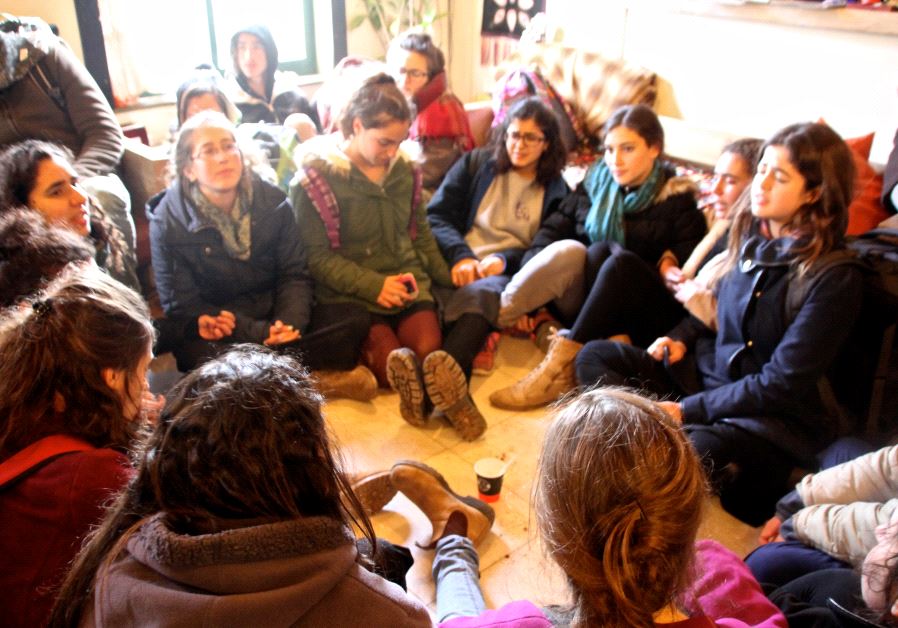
x: 230, y: 265
x: 441, y: 125
x: 484, y: 216
x: 629, y: 200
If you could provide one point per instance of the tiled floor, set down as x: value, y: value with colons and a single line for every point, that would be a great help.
x: 373, y: 436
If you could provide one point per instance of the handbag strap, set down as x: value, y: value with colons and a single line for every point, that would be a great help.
x: 38, y: 454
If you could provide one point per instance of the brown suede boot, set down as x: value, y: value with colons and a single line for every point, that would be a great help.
x: 430, y: 492
x: 448, y: 390
x: 359, y: 384
x: 374, y: 490
x: 552, y: 378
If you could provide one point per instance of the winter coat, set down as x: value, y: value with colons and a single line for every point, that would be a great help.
x: 761, y: 370
x: 453, y: 208
x: 76, y: 115
x: 195, y: 274
x: 671, y: 223
x: 844, y: 504
x: 301, y: 572
x: 441, y: 128
x: 45, y: 517
x: 374, y: 230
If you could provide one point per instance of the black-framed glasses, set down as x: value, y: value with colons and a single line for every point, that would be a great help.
x: 527, y: 139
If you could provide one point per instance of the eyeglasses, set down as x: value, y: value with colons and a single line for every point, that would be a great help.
x: 415, y: 74
x: 527, y: 139
x: 210, y: 153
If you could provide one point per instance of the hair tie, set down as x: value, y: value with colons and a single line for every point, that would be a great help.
x: 42, y: 307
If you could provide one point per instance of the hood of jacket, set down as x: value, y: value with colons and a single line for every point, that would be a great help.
x: 325, y: 154
x: 22, y: 48
x: 271, y: 57
x: 269, y: 574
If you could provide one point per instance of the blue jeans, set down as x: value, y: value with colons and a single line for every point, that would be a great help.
x: 456, y: 573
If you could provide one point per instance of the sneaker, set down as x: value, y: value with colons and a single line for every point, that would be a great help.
x: 430, y: 492
x: 448, y: 390
x: 485, y: 361
x: 404, y: 376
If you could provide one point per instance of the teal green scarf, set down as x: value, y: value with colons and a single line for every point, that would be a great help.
x: 605, y: 220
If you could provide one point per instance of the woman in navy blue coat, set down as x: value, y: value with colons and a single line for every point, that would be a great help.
x: 752, y: 396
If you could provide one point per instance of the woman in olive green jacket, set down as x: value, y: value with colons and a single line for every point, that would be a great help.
x: 358, y: 199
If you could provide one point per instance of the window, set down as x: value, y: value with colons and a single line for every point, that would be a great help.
x: 152, y: 46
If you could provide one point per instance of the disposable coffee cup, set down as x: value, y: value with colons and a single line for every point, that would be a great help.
x: 490, y: 472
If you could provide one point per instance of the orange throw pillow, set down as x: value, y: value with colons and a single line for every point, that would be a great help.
x: 866, y: 210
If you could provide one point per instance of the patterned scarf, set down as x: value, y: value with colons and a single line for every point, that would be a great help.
x: 605, y: 220
x: 234, y: 226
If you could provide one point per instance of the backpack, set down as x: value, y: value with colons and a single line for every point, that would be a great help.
x: 319, y: 192
x: 862, y: 385
x: 523, y: 83
x: 39, y: 453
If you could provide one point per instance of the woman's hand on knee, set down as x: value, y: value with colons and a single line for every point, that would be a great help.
x: 490, y: 265
x: 676, y: 350
x: 279, y: 334
x: 465, y: 271
x: 770, y: 533
x: 673, y: 409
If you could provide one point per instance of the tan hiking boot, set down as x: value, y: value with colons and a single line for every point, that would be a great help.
x: 448, y: 390
x: 404, y: 375
x: 359, y: 384
x: 374, y: 490
x: 430, y: 492
x: 551, y: 379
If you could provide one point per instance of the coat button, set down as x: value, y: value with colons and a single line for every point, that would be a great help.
x: 207, y: 250
x: 749, y: 343
x: 758, y: 294
x: 746, y: 265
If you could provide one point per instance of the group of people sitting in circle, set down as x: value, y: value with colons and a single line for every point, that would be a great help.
x: 230, y: 505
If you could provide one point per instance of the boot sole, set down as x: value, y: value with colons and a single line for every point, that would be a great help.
x: 485, y: 509
x: 405, y: 379
x: 448, y: 390
x: 374, y: 491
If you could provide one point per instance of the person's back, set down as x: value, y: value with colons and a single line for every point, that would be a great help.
x: 72, y: 372
x: 238, y: 516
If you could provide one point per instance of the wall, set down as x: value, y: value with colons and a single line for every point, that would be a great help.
x: 751, y: 70
x: 59, y: 12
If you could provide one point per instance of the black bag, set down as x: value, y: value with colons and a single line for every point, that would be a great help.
x: 861, y: 387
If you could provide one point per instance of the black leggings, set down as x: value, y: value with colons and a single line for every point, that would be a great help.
x: 749, y: 472
x: 332, y: 340
x: 626, y: 296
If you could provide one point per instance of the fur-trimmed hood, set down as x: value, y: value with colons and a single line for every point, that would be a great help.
x: 325, y: 153
x: 301, y: 572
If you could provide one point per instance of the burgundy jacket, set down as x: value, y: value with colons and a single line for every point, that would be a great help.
x: 43, y: 519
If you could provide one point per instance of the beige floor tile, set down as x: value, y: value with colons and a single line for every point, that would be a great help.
x: 374, y: 436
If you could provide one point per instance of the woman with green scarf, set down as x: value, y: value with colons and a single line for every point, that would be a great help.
x: 629, y: 201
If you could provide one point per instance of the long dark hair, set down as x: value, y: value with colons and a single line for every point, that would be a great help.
x: 618, y: 504
x: 241, y: 437
x: 33, y: 252
x: 641, y: 120
x: 823, y: 158
x: 553, y: 158
x: 19, y: 165
x: 56, y: 350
